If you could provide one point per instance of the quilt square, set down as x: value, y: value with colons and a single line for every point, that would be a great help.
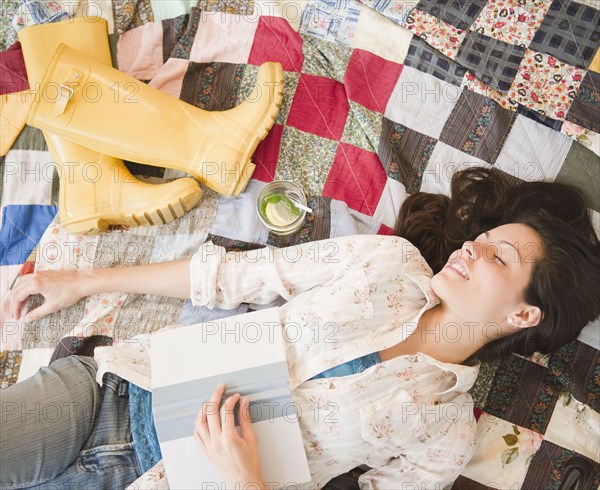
x: 221, y: 38
x: 424, y: 57
x: 16, y: 241
x: 331, y: 20
x: 459, y: 13
x: 370, y: 80
x: 266, y: 155
x: 320, y: 107
x: 237, y: 218
x: 357, y: 178
x: 511, y: 21
x: 10, y: 363
x: 27, y: 177
x: 388, y: 207
x: 404, y: 154
x: 275, y: 40
x: 422, y: 102
x: 585, y: 108
x: 586, y: 137
x: 396, y: 10
x: 546, y: 84
x: 324, y: 58
x: 212, y: 86
x: 305, y: 159
x: 523, y: 393
x: 533, y: 151
x: 493, y: 62
x: 579, y: 438
x: 576, y: 366
x: 570, y: 32
x: 444, y: 37
x: 363, y: 128
x: 504, y: 455
x: 381, y: 36
x: 554, y: 463
x: 478, y: 126
x: 444, y: 162
x: 581, y: 168
x: 175, y: 247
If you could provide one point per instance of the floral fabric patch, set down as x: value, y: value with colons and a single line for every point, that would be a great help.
x: 511, y: 21
x: 444, y: 37
x: 546, y: 84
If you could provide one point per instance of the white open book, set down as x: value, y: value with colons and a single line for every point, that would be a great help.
x: 246, y: 352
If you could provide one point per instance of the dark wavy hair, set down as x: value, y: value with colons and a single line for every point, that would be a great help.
x: 564, y: 281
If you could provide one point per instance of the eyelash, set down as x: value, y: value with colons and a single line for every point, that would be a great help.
x: 501, y: 261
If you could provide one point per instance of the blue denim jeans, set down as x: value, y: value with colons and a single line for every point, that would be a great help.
x: 60, y: 430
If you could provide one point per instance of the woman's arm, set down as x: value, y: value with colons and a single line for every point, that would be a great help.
x: 64, y: 288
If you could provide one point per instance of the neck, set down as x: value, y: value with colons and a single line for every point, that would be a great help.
x: 442, y: 335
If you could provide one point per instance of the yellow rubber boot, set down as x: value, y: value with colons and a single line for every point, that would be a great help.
x: 97, y: 190
x: 111, y: 112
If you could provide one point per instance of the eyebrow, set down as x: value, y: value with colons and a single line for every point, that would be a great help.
x: 487, y: 235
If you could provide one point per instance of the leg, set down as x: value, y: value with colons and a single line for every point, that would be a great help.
x: 46, y: 420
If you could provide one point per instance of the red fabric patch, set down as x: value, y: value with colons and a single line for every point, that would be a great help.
x: 370, y: 80
x: 385, y: 230
x: 266, y: 155
x: 12, y: 70
x: 357, y: 177
x: 319, y: 107
x: 275, y: 40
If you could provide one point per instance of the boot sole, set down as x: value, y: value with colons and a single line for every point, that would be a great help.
x: 160, y: 216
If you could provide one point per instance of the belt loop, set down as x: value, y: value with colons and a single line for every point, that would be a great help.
x: 123, y: 389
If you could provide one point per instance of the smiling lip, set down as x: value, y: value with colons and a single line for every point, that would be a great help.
x: 458, y: 268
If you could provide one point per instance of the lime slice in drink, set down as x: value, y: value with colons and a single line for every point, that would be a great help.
x: 279, y: 210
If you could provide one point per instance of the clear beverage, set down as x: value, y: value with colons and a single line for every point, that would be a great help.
x: 277, y: 209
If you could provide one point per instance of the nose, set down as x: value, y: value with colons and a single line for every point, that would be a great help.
x: 470, y: 250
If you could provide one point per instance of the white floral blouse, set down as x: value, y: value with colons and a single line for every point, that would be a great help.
x: 408, y: 418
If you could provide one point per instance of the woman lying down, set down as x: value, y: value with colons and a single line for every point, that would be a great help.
x: 515, y: 270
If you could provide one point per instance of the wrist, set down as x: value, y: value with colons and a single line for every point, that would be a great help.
x: 250, y: 482
x: 90, y: 281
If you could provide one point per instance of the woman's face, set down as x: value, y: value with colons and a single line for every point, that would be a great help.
x: 485, y: 280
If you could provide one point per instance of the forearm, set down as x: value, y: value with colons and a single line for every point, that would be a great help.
x: 162, y: 278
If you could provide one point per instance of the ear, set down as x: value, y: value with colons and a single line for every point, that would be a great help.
x: 529, y: 316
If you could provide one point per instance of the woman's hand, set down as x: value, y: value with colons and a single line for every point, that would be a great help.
x: 59, y: 289
x: 235, y: 457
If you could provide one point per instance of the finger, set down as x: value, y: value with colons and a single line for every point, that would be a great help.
x: 39, y: 312
x: 6, y: 305
x: 246, y: 421
x: 212, y: 411
x: 23, y: 289
x: 200, y: 442
x: 201, y: 427
x: 16, y: 307
x: 229, y: 414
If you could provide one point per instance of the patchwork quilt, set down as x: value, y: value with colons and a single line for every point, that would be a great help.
x: 382, y: 99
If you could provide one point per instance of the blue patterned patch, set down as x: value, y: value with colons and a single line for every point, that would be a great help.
x: 332, y: 20
x: 394, y: 10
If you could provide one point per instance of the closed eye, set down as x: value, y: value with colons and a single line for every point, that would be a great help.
x: 500, y: 260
